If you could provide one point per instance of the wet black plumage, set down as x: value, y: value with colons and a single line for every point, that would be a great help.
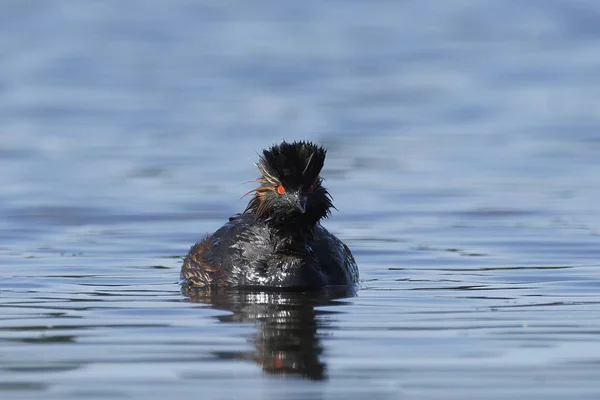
x: 278, y: 240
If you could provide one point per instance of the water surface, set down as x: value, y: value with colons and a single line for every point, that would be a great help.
x: 463, y: 159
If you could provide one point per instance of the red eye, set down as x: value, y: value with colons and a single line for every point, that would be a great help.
x: 280, y: 189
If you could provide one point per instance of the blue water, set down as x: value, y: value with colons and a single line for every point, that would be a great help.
x: 463, y: 143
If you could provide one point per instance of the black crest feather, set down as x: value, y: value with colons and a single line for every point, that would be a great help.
x: 292, y: 164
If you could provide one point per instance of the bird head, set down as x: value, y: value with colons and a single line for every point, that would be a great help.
x: 291, y: 189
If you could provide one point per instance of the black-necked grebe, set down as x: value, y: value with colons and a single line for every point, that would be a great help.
x: 277, y: 242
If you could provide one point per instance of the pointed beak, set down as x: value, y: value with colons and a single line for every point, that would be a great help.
x: 299, y: 200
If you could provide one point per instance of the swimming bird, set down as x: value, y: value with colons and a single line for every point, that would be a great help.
x: 278, y: 241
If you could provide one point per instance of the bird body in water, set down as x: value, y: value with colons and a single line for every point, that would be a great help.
x: 278, y: 241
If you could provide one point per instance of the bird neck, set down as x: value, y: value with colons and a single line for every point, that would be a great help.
x: 291, y: 235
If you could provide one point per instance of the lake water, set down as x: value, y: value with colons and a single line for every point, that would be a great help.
x: 464, y: 143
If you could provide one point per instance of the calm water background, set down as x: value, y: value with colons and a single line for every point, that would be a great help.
x: 464, y: 141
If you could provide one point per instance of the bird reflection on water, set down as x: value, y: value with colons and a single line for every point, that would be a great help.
x: 288, y: 342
